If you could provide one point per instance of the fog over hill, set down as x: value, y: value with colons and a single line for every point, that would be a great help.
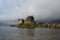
x: 10, y: 22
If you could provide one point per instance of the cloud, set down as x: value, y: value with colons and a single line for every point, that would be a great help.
x: 40, y: 9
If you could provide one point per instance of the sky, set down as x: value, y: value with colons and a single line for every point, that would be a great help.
x: 40, y: 9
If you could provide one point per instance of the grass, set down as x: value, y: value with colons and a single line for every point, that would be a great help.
x: 31, y: 25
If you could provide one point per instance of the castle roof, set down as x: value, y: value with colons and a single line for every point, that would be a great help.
x: 30, y: 17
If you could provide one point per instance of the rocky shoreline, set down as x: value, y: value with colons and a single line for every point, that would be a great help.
x: 37, y: 25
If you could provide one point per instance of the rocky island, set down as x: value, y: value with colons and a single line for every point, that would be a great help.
x: 30, y: 23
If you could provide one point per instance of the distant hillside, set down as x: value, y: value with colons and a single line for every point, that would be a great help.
x: 55, y: 21
x: 9, y: 22
x: 49, y: 20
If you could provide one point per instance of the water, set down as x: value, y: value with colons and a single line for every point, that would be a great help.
x: 14, y: 33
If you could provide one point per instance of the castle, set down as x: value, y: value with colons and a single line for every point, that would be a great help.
x: 29, y: 19
x: 20, y: 21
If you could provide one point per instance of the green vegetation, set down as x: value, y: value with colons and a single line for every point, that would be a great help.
x: 27, y: 25
x: 39, y: 25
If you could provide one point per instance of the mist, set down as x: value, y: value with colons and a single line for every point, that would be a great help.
x: 40, y: 9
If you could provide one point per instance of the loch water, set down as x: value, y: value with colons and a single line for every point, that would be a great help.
x: 15, y: 33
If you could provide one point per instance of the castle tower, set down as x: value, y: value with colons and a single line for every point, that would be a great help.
x: 29, y: 19
x: 20, y: 21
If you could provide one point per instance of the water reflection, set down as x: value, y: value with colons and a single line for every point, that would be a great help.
x: 13, y: 33
x: 30, y: 32
x: 25, y: 33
